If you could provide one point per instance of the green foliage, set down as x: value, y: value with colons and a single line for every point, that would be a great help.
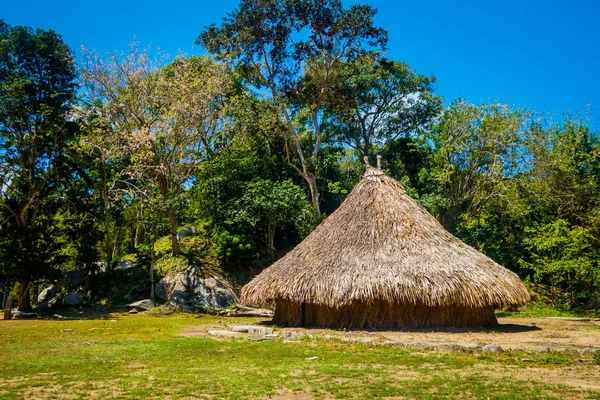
x: 47, y: 214
x: 234, y: 248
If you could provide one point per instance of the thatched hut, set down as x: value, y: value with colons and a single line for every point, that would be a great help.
x: 382, y: 261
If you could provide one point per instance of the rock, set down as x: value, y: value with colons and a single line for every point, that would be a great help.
x: 349, y: 340
x: 272, y: 335
x: 393, y: 343
x: 252, y: 329
x: 259, y: 339
x: 449, y: 347
x: 293, y: 335
x: 470, y: 347
x: 516, y: 349
x: 188, y: 290
x: 46, y: 294
x: 490, y: 348
x: 243, y: 311
x: 75, y: 299
x: 141, y: 305
x: 419, y: 345
x: 366, y: 341
x: 71, y: 280
x: 23, y: 315
x: 589, y: 352
x: 540, y: 350
x: 46, y: 307
x: 527, y: 360
x: 311, y: 358
x: 133, y: 311
x: 219, y: 332
x: 67, y: 330
x: 187, y: 231
x: 124, y: 265
x: 584, y: 361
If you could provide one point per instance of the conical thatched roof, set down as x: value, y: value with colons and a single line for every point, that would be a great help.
x: 381, y: 245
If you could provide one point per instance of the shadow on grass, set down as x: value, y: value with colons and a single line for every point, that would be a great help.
x: 500, y: 328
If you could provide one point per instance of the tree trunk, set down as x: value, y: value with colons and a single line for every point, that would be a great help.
x: 271, y: 226
x: 107, y: 243
x: 117, y: 244
x: 174, y: 240
x: 152, y: 297
x: 138, y: 237
x: 311, y: 178
x: 23, y: 296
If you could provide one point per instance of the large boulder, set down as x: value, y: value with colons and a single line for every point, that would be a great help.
x: 124, y: 265
x: 141, y: 305
x: 185, y: 232
x: 71, y: 280
x: 191, y: 289
x: 74, y: 299
x: 47, y: 294
x: 46, y: 308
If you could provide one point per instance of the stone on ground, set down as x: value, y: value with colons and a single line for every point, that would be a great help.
x: 470, y: 347
x: 141, y: 305
x: 220, y: 332
x: 449, y: 347
x: 23, y: 315
x: 490, y: 348
x: 252, y: 329
x: 419, y: 345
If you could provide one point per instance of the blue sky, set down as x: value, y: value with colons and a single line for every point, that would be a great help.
x: 538, y: 54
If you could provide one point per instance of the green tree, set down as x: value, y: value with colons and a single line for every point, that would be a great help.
x: 382, y: 100
x: 266, y: 204
x: 293, y: 50
x: 165, y: 120
x: 37, y: 90
x: 476, y: 150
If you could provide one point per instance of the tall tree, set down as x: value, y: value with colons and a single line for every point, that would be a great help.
x: 293, y: 49
x: 476, y: 150
x: 164, y: 120
x: 37, y: 89
x: 381, y: 100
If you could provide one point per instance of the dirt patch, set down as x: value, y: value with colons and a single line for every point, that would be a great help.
x: 583, y: 377
x: 292, y: 396
x: 515, y: 332
x: 527, y: 332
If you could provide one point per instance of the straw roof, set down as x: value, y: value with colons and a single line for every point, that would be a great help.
x: 381, y: 245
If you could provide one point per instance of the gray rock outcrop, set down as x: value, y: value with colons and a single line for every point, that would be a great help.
x: 71, y: 280
x: 141, y: 305
x: 191, y: 290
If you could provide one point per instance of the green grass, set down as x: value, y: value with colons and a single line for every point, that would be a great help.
x: 143, y: 356
x: 541, y: 310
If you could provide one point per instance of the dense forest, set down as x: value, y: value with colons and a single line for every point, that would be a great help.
x: 228, y: 160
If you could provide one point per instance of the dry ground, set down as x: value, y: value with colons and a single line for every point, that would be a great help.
x: 526, y: 332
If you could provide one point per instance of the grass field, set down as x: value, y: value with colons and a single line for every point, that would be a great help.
x: 145, y: 356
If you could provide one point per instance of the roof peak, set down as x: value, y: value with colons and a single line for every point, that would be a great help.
x: 372, y: 171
